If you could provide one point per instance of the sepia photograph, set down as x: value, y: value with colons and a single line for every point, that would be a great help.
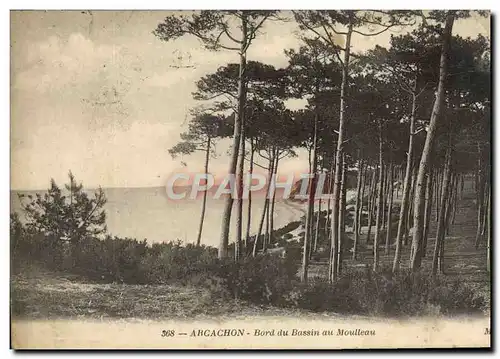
x: 250, y: 179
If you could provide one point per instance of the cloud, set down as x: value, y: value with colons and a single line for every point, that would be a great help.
x: 57, y: 62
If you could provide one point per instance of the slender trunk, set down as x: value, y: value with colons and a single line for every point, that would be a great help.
x: 440, y: 192
x: 204, y: 201
x: 228, y: 206
x: 416, y: 253
x: 363, y: 185
x: 403, y: 212
x: 316, y: 234
x: 341, y: 230
x: 379, y: 202
x: 479, y: 197
x: 273, y: 201
x: 462, y: 185
x: 371, y: 205
x: 310, y: 204
x: 261, y: 225
x: 485, y: 212
x: 239, y: 200
x: 428, y: 209
x: 357, y: 210
x: 328, y: 205
x: 400, y: 181
x: 265, y: 242
x: 488, y: 249
x: 449, y: 205
x: 385, y: 198
x: 438, y: 247
x: 455, y: 198
x: 340, y: 150
x: 249, y: 214
x: 409, y: 220
x: 389, y: 209
x: 266, y: 205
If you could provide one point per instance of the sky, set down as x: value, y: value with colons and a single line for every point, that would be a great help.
x: 98, y: 94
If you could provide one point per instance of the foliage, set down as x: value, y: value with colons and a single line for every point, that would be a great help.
x: 264, y: 279
x: 387, y: 294
x: 67, y: 216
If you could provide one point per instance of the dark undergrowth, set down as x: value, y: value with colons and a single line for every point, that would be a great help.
x: 131, y: 266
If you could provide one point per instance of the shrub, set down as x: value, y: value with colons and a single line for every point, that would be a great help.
x: 386, y: 294
x: 457, y: 298
x: 265, y: 279
x: 68, y: 219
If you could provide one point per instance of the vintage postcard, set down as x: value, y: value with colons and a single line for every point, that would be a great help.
x: 244, y: 179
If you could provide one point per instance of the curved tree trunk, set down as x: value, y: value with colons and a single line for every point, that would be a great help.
x: 228, y: 206
x: 273, y: 201
x: 264, y: 211
x: 416, y: 252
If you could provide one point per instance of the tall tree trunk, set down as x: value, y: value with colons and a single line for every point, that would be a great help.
x: 449, y: 205
x: 261, y: 225
x: 439, y: 193
x: 328, y: 204
x: 379, y: 201
x: 342, y: 204
x: 428, y: 210
x: 357, y: 210
x: 488, y: 244
x: 485, y: 212
x: 310, y: 203
x: 409, y: 219
x: 438, y: 247
x: 264, y: 211
x: 265, y: 242
x: 389, y: 209
x: 239, y: 200
x: 273, y: 201
x: 371, y: 205
x: 340, y: 150
x: 249, y: 214
x: 385, y: 198
x: 462, y: 185
x: 480, y: 202
x: 316, y: 232
x: 455, y: 198
x: 403, y: 211
x: 204, y: 201
x: 416, y: 253
x: 238, y: 118
x: 363, y: 185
